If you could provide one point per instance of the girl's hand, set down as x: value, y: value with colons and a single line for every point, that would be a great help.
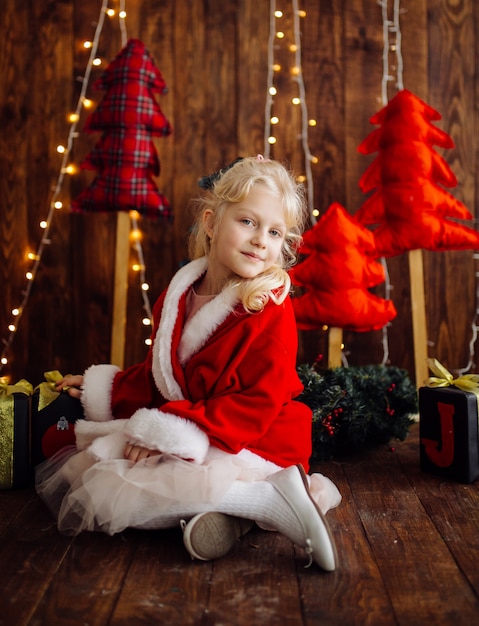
x: 138, y: 453
x: 73, y: 385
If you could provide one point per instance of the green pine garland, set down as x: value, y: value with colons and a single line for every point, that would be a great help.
x: 356, y: 408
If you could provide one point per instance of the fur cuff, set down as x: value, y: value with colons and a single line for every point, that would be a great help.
x: 108, y: 447
x: 167, y: 433
x: 86, y: 432
x: 96, y: 396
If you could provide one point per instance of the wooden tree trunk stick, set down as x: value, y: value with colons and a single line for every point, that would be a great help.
x: 120, y: 293
x: 335, y: 345
x: 418, y: 311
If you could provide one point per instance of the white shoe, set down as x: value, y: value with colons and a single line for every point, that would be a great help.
x: 212, y: 535
x: 292, y: 484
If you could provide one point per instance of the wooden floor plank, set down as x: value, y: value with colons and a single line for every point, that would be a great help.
x: 86, y: 587
x: 357, y: 578
x: 453, y: 509
x: 163, y: 586
x: 407, y: 542
x: 258, y: 584
x: 31, y: 551
x: 422, y: 578
x: 11, y: 503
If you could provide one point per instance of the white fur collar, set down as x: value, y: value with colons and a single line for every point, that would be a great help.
x: 196, y: 331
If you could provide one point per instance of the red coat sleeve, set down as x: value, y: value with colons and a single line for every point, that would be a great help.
x: 134, y: 387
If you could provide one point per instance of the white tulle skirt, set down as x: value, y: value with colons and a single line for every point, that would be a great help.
x: 86, y: 494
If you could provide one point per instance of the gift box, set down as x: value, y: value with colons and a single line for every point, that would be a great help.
x: 53, y: 417
x: 448, y: 427
x: 15, y: 468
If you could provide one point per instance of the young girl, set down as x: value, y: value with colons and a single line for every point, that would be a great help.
x: 206, y: 432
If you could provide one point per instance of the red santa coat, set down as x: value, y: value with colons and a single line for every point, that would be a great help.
x: 225, y: 379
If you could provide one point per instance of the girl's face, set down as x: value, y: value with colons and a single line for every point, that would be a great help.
x: 249, y: 238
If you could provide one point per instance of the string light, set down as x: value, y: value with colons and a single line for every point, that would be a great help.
x: 388, y: 47
x: 296, y: 73
x: 142, y: 271
x: 67, y: 168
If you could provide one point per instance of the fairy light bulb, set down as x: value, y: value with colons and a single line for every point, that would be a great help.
x: 302, y: 13
x: 314, y: 159
x: 271, y: 140
x: 312, y: 122
x: 274, y: 120
x: 316, y: 212
x: 136, y: 267
x: 293, y: 47
x: 280, y: 34
x: 146, y: 321
x: 73, y: 118
x: 278, y: 13
x: 148, y: 342
x: 295, y: 71
x: 273, y: 91
x: 296, y: 101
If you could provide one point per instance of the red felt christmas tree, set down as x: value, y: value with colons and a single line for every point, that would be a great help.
x: 125, y: 157
x: 337, y: 272
x: 409, y: 206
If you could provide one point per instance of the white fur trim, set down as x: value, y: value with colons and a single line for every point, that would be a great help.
x: 86, y: 431
x: 96, y: 396
x: 196, y: 332
x: 108, y: 447
x: 162, y: 368
x: 258, y: 462
x: 167, y: 433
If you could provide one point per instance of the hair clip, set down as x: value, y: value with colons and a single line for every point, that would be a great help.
x: 208, y: 182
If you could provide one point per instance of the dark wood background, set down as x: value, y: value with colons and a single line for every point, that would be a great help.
x: 213, y: 56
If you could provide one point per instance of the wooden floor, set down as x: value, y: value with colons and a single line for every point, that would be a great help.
x: 408, y: 545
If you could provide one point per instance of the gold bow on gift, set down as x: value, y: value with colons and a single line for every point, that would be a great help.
x: 444, y: 378
x: 48, y: 392
x: 23, y: 386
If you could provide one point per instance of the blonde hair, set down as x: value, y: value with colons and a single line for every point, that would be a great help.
x: 233, y: 186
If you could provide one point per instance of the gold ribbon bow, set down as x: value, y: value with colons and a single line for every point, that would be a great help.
x: 48, y: 392
x: 23, y: 386
x: 444, y: 378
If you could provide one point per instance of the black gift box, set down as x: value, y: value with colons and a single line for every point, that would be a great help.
x: 15, y: 445
x: 53, y: 426
x: 448, y: 427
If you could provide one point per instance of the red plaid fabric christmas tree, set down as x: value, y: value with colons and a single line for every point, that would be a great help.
x: 125, y: 157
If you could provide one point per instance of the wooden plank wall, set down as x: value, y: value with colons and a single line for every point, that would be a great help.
x: 213, y: 56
